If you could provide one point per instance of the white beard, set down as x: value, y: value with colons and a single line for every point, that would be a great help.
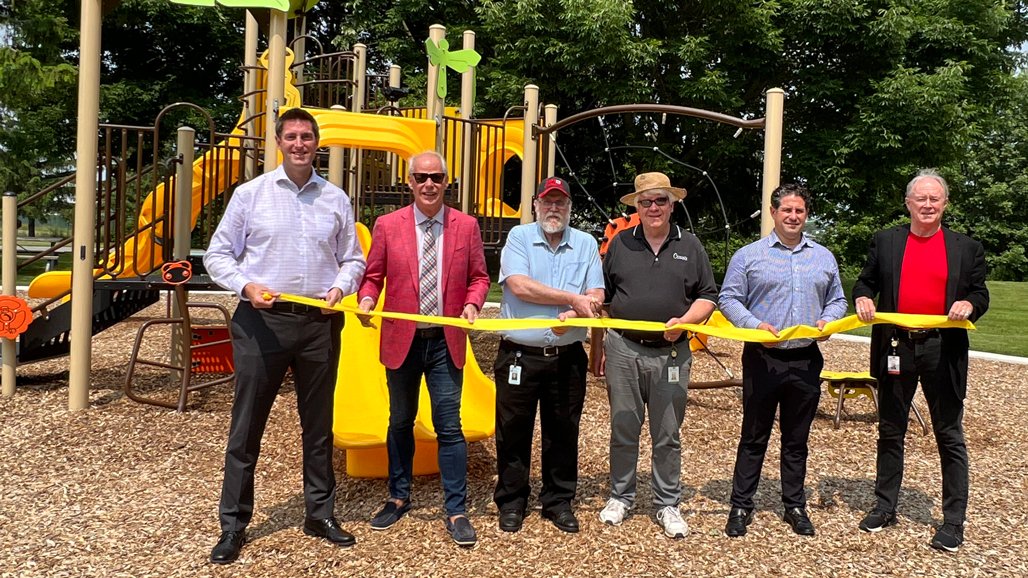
x: 552, y: 228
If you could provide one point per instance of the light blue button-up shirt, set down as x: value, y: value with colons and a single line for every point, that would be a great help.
x: 769, y: 282
x: 574, y: 266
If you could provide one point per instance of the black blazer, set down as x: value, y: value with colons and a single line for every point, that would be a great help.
x: 965, y: 282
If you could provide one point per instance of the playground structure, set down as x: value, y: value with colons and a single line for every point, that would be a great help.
x: 124, y: 232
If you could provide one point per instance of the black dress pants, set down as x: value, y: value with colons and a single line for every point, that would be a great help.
x: 267, y: 342
x: 556, y: 385
x: 774, y: 378
x: 939, y: 371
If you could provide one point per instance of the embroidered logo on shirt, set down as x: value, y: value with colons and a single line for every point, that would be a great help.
x: 680, y: 257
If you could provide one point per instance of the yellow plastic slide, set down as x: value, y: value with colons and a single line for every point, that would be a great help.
x: 362, y: 402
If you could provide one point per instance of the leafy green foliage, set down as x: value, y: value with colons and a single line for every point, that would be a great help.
x: 154, y: 53
x: 875, y: 89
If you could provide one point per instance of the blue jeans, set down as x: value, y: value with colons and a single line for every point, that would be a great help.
x: 431, y: 358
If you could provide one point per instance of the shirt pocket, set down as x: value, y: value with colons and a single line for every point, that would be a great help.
x: 571, y: 276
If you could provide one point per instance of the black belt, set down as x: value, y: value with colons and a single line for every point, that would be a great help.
x: 291, y: 307
x: 917, y: 334
x: 429, y: 333
x: 654, y: 343
x: 547, y: 351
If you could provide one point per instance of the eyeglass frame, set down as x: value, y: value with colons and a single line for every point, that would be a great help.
x: 560, y: 203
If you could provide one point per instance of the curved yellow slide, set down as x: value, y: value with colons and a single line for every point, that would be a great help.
x: 362, y: 402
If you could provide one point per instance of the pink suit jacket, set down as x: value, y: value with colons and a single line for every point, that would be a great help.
x: 394, y: 256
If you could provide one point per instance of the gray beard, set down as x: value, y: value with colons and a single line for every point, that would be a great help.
x: 552, y: 228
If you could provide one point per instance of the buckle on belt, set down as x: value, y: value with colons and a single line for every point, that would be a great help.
x: 550, y: 350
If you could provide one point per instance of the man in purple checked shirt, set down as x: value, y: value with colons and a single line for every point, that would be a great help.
x: 782, y: 280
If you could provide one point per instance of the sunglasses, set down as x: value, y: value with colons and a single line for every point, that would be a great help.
x: 437, y: 178
x: 646, y: 203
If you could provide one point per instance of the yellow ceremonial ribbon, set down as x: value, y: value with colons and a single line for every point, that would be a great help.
x: 725, y: 331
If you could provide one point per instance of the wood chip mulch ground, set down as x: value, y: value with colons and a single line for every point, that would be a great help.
x: 125, y: 489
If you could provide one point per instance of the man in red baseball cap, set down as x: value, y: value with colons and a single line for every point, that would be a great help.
x: 548, y: 270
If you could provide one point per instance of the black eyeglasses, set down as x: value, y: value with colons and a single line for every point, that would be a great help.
x: 437, y: 178
x: 645, y: 203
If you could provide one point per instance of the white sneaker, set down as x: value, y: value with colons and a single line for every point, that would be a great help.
x: 614, y: 512
x: 670, y: 519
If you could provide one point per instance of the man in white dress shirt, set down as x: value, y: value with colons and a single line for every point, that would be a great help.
x: 287, y: 231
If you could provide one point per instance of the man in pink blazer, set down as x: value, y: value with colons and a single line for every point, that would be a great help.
x: 433, y: 259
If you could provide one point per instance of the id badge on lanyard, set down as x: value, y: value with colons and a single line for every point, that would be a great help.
x: 672, y: 369
x: 893, y: 360
x: 514, y: 375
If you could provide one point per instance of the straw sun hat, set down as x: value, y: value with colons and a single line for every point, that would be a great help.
x: 650, y: 181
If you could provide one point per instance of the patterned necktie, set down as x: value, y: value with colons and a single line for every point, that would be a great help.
x: 427, y: 282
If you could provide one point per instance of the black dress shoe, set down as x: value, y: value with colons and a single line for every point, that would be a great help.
x: 797, y: 518
x: 227, y: 549
x: 738, y: 519
x: 329, y: 529
x: 511, y: 520
x: 564, y: 520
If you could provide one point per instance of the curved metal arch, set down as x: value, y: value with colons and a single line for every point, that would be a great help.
x: 755, y: 123
x: 196, y: 107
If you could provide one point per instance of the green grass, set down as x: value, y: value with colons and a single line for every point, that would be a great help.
x: 27, y: 274
x: 1000, y: 330
x: 495, y: 293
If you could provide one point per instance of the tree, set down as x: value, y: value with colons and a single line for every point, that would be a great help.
x: 875, y: 90
x: 33, y: 123
x: 152, y: 58
x: 990, y: 188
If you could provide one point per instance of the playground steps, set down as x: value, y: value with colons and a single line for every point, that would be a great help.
x: 49, y: 336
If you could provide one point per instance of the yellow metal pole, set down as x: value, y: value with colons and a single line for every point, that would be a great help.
x: 9, y: 348
x: 276, y: 85
x: 528, y: 162
x: 773, y: 122
x: 85, y: 206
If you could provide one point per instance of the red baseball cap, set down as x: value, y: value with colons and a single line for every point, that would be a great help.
x: 553, y: 184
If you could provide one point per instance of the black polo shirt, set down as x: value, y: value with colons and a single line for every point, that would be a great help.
x: 646, y: 287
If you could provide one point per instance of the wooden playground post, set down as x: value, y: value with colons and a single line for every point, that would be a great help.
x: 299, y: 51
x: 336, y: 157
x: 434, y: 104
x: 360, y: 82
x: 10, y: 284
x: 249, y: 88
x: 85, y: 207
x: 773, y: 121
x: 394, y: 82
x: 528, y: 161
x: 276, y: 85
x: 182, y: 212
x: 550, y: 118
x: 467, y: 105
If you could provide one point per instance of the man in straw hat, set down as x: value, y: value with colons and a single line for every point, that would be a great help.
x: 652, y: 272
x: 548, y: 270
